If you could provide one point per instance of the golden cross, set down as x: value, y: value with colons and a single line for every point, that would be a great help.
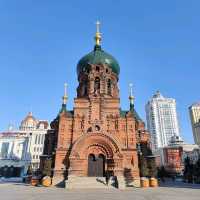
x: 65, y: 89
x: 131, y: 89
x: 98, y: 26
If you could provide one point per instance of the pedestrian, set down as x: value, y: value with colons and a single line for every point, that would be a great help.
x: 107, y: 178
x: 116, y: 184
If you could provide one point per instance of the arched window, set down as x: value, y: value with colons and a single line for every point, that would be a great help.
x: 97, y: 68
x: 97, y: 128
x: 85, y: 87
x: 96, y: 84
x: 109, y: 86
x: 89, y: 130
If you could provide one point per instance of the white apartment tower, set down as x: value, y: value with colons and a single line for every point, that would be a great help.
x: 162, y: 120
x: 195, y: 121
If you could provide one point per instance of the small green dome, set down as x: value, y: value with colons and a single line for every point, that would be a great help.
x: 98, y: 56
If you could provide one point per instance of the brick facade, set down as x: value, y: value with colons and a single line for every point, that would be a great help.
x: 173, y: 159
x: 96, y: 126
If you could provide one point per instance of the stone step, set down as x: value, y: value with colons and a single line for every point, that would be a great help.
x: 87, y: 182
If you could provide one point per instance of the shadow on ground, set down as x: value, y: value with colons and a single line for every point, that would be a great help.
x: 179, y: 184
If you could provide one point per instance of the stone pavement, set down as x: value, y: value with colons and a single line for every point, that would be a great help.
x: 168, y: 191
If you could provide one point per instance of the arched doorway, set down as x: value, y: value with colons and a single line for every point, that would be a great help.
x: 96, y: 165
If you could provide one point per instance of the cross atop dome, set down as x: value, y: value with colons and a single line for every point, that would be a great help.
x: 64, y: 100
x: 98, y: 34
x: 65, y: 97
x: 98, y: 26
x: 131, y: 97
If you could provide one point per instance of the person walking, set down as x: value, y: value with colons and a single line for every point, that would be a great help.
x: 107, y: 177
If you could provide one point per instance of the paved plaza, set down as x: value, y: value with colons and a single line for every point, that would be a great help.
x: 178, y: 191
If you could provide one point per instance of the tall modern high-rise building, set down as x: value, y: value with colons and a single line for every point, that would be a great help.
x: 162, y: 120
x: 194, y: 111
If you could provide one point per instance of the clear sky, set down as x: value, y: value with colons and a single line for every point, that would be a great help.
x: 156, y: 43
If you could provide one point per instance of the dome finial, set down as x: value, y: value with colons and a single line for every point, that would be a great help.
x: 65, y: 97
x: 131, y: 97
x: 98, y: 34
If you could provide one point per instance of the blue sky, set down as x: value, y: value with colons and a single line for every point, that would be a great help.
x: 155, y: 42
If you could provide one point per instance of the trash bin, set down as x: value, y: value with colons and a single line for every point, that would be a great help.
x: 144, y: 182
x: 35, y: 181
x: 46, y: 181
x: 153, y: 182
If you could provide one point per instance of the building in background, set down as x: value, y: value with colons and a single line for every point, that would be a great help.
x: 36, y: 130
x: 172, y: 156
x: 14, y: 160
x: 22, y: 148
x: 162, y: 120
x: 194, y: 111
x: 192, y: 151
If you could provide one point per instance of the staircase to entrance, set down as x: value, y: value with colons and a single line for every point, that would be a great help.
x: 87, y: 182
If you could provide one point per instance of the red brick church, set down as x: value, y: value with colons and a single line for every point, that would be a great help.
x: 97, y: 137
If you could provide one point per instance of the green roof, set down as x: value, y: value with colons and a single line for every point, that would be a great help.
x: 123, y: 113
x: 70, y: 113
x: 63, y: 108
x: 135, y: 114
x: 98, y: 56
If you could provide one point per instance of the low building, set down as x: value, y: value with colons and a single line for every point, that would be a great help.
x: 22, y: 148
x: 172, y: 156
x: 191, y: 151
x: 36, y: 130
x: 14, y: 161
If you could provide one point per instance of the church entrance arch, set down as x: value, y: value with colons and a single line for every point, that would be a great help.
x: 94, y: 155
x: 96, y: 165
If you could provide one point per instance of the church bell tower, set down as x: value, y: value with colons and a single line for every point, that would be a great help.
x: 98, y: 74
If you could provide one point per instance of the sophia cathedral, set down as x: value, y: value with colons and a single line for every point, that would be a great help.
x: 97, y: 137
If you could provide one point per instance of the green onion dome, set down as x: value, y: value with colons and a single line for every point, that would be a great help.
x: 98, y: 57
